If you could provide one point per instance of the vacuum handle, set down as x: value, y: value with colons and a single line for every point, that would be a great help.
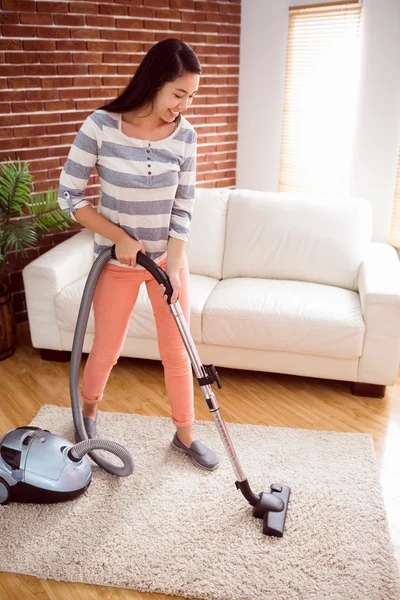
x: 159, y: 275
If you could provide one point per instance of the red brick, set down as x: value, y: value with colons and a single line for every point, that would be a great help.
x: 134, y: 47
x: 59, y: 105
x: 9, y: 18
x: 89, y: 57
x: 87, y: 105
x: 206, y: 28
x: 14, y: 144
x: 72, y: 69
x: 48, y: 57
x: 27, y: 107
x: 52, y: 7
x: 58, y: 151
x: 8, y: 155
x: 101, y: 46
x: 194, y: 16
x: 29, y: 131
x: 12, y: 95
x: 22, y: 57
x: 114, y: 81
x: 141, y: 11
x: 10, y: 44
x: 73, y: 45
x: 168, y: 14
x: 7, y: 120
x: 56, y: 129
x: 35, y: 19
x: 44, y: 118
x: 86, y: 33
x: 41, y: 70
x: 103, y: 69
x: 39, y: 45
x: 157, y: 25
x: 182, y: 4
x: 53, y: 32
x: 6, y: 132
x: 229, y: 29
x: 56, y: 82
x: 100, y: 21
x: 141, y: 36
x: 70, y: 20
x: 18, y: 31
x: 117, y: 58
x: 42, y: 94
x: 114, y: 34
x: 129, y: 23
x: 86, y: 81
x: 18, y: 5
x: 113, y: 9
x: 209, y: 6
x: 84, y: 7
x: 73, y: 93
x: 105, y: 93
x: 158, y: 3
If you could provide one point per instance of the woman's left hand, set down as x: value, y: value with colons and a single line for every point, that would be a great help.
x: 176, y: 286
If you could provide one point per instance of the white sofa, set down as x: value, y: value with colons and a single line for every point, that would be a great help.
x: 285, y: 283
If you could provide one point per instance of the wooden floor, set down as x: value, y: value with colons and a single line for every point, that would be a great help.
x: 137, y: 386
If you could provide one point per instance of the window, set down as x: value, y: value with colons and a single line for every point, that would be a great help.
x: 395, y: 234
x: 321, y: 90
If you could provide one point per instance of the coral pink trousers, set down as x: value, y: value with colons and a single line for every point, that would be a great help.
x: 114, y: 298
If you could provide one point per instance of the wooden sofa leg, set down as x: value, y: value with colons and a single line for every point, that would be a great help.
x: 370, y: 390
x: 55, y: 355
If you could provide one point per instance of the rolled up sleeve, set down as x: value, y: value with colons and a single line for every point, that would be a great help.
x: 182, y: 208
x: 81, y: 160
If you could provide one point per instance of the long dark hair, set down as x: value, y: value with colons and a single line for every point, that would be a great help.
x: 165, y: 61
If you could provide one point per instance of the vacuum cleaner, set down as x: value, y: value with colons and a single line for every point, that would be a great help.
x: 38, y: 466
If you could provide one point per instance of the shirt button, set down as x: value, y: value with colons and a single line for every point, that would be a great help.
x: 149, y: 173
x: 66, y: 195
x: 149, y: 166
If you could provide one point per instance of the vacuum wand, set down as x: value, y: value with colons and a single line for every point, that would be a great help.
x: 270, y: 506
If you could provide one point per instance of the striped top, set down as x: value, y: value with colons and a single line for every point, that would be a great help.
x: 147, y: 188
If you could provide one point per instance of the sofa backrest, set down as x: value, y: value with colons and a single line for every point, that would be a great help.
x: 296, y: 236
x: 205, y: 246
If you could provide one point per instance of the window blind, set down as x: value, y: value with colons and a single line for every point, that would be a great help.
x: 320, y: 99
x: 395, y: 233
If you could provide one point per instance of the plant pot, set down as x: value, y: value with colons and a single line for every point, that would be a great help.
x: 8, y: 330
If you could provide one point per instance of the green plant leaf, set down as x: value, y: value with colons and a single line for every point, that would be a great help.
x: 46, y: 212
x: 18, y: 236
x: 15, y: 187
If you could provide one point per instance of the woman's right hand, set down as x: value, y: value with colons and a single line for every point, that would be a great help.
x: 126, y: 250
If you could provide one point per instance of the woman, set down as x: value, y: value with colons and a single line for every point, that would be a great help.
x: 145, y: 154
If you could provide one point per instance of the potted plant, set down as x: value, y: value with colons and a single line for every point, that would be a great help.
x: 24, y: 218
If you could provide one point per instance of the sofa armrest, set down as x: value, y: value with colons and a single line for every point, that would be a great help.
x: 47, y: 276
x: 379, y: 289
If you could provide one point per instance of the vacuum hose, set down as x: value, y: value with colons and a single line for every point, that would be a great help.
x: 89, y: 445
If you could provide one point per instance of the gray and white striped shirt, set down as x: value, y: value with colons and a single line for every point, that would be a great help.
x: 147, y: 188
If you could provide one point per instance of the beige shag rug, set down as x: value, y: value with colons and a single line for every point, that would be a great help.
x: 175, y: 529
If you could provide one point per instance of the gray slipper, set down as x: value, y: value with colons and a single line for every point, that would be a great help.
x: 90, y: 427
x: 201, y: 456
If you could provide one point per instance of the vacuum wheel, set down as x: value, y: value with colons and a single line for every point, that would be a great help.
x: 4, y: 492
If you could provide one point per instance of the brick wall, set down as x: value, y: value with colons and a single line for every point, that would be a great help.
x: 59, y: 61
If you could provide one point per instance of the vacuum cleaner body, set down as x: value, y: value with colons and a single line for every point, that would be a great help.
x: 35, y: 467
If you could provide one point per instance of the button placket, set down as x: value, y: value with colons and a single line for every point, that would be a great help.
x: 148, y: 158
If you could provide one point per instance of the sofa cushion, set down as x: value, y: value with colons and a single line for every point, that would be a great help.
x: 142, y: 322
x: 205, y: 246
x: 292, y: 316
x: 301, y: 237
